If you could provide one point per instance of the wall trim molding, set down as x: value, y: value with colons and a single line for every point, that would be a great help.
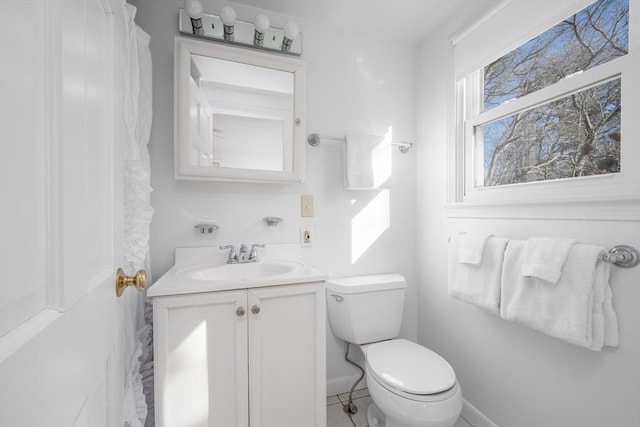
x: 474, y: 417
x: 614, y: 209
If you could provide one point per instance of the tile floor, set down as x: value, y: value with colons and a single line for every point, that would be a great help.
x: 336, y: 417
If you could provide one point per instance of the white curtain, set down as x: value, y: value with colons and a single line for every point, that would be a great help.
x: 137, y: 211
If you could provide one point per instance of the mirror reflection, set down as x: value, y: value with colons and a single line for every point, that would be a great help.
x: 240, y: 115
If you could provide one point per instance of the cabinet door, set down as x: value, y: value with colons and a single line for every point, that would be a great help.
x: 287, y: 356
x: 201, y: 360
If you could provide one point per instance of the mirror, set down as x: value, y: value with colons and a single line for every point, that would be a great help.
x: 239, y: 114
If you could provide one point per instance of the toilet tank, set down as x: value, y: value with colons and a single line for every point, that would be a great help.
x: 365, y: 309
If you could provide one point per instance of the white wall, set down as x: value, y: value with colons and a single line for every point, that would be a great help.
x: 354, y: 85
x: 514, y: 375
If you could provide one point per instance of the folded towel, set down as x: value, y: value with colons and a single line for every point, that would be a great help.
x: 471, y: 247
x: 367, y: 161
x: 578, y: 309
x: 545, y: 256
x: 479, y: 284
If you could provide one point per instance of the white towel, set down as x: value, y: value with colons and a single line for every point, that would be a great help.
x: 578, y: 309
x: 471, y: 247
x: 479, y: 285
x: 603, y: 305
x: 545, y: 256
x: 367, y: 162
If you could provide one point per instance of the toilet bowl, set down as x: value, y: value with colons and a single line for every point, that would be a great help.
x: 410, y: 385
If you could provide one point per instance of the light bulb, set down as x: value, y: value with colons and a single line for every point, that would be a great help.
x: 261, y: 22
x: 194, y: 8
x: 291, y: 30
x: 228, y: 15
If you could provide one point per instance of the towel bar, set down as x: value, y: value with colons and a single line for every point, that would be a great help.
x: 621, y: 255
x: 314, y: 140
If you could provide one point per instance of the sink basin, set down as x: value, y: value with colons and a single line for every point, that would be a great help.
x: 203, y: 269
x: 239, y: 272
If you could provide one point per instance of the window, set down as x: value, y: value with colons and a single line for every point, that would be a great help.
x: 545, y: 119
x: 572, y: 136
x: 591, y: 37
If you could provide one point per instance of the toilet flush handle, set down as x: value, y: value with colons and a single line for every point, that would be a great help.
x: 338, y: 297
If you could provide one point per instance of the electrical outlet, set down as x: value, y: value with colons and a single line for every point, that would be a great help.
x: 306, y: 236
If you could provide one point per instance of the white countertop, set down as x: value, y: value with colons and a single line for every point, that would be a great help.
x: 174, y: 282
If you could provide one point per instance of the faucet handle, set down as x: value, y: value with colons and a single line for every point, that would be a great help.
x: 253, y: 255
x: 233, y: 256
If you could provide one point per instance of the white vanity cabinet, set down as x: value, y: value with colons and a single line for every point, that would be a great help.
x: 247, y: 357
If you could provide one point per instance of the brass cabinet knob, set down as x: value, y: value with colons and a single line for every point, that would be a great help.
x: 122, y: 281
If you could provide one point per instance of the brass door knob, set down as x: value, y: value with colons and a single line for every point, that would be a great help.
x: 122, y: 281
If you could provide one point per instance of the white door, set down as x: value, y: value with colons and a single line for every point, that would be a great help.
x: 61, y: 360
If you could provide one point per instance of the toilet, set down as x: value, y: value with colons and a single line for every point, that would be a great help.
x: 410, y: 385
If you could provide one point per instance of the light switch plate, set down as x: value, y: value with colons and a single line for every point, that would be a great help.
x: 307, y: 205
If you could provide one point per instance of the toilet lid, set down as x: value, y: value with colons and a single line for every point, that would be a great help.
x: 409, y: 367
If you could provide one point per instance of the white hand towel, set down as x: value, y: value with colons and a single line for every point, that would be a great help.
x: 603, y: 305
x: 611, y: 334
x: 545, y: 256
x: 367, y: 162
x: 479, y: 285
x: 471, y: 247
x: 573, y: 310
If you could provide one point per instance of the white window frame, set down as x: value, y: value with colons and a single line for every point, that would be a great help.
x: 614, y: 196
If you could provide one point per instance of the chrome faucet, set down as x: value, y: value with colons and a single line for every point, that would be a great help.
x: 244, y: 255
x: 233, y: 256
x: 253, y: 255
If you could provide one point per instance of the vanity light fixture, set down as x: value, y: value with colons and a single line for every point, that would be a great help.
x: 194, y: 9
x: 228, y: 17
x: 262, y: 24
x: 226, y: 28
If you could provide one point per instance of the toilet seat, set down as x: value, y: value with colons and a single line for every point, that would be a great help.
x: 410, y: 370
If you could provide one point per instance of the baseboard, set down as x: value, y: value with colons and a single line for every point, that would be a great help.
x: 343, y: 384
x: 474, y: 416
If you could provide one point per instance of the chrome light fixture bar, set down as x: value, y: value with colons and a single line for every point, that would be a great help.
x: 226, y: 29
